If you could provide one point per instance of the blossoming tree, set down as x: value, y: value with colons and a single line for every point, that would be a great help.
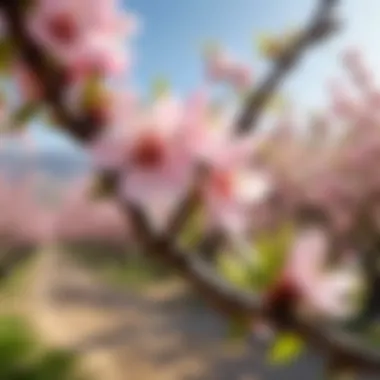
x: 276, y: 230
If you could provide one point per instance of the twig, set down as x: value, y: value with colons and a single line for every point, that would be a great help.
x: 320, y: 26
x: 234, y: 302
x: 210, y: 245
x: 51, y: 77
x: 226, y: 298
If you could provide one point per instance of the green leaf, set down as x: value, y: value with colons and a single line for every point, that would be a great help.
x: 193, y: 230
x: 269, y: 46
x: 287, y: 348
x: 272, y: 249
x: 268, y: 254
x: 235, y: 271
x: 160, y: 87
x: 93, y: 92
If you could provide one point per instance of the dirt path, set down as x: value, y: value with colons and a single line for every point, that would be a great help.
x: 161, y: 334
x: 123, y: 335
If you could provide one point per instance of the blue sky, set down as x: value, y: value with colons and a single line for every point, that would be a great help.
x: 174, y: 31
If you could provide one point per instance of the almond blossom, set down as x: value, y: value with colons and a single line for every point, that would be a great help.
x: 83, y: 35
x: 325, y: 291
x: 221, y: 67
x: 234, y: 187
x: 154, y: 152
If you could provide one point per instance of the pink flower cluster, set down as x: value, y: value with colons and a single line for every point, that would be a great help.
x: 160, y: 150
x: 163, y: 149
x: 84, y: 36
x: 317, y: 289
x: 222, y: 67
x: 334, y: 168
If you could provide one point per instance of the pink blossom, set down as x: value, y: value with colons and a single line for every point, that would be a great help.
x: 234, y: 186
x: 354, y: 63
x: 218, y: 66
x: 324, y: 291
x: 81, y: 34
x: 241, y: 76
x: 159, y: 148
x: 221, y: 67
x: 344, y: 105
x: 108, y: 150
x: 156, y: 152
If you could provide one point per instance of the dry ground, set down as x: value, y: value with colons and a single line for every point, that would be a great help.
x: 162, y: 333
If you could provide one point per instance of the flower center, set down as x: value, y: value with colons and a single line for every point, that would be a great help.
x: 149, y: 152
x: 63, y: 28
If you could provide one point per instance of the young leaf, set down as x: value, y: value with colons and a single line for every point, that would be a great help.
x: 160, y: 87
x: 193, y: 230
x: 277, y: 104
x: 270, y: 47
x: 287, y: 348
x: 235, y: 271
x: 93, y: 92
x: 272, y: 249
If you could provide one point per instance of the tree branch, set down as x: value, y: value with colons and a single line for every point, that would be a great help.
x: 51, y: 78
x: 226, y: 298
x: 321, y: 25
x: 236, y: 303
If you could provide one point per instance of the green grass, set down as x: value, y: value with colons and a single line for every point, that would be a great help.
x: 117, y: 266
x: 135, y: 273
x: 22, y: 357
x: 18, y: 274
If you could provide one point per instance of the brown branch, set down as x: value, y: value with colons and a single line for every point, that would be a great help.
x: 226, y: 298
x: 321, y: 25
x: 236, y: 303
x: 210, y: 245
x: 50, y: 77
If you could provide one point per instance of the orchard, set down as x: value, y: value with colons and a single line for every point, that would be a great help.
x: 277, y: 230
